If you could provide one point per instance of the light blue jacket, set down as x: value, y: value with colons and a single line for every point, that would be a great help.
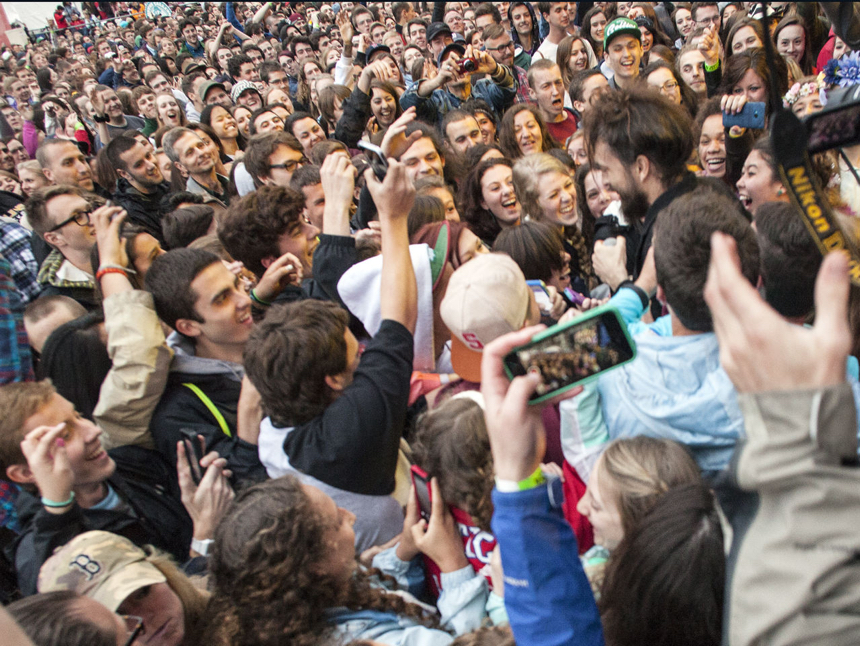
x: 461, y: 606
x: 675, y: 388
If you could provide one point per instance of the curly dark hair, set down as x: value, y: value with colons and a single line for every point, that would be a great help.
x: 253, y: 225
x: 265, y: 573
x: 508, y: 140
x: 451, y: 443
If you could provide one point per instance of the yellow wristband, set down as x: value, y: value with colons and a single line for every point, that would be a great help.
x: 534, y: 480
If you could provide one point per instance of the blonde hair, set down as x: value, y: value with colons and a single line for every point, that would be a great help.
x: 31, y: 165
x: 526, y: 175
x: 638, y: 471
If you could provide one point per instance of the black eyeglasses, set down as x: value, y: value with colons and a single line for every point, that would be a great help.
x: 134, y: 626
x: 507, y: 45
x: 82, y: 219
x: 291, y: 165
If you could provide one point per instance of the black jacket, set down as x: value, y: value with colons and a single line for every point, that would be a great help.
x: 143, y: 209
x: 143, y: 479
x: 182, y: 413
x: 356, y: 112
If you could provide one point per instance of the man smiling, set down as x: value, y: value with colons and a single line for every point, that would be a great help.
x: 140, y: 186
x: 622, y: 48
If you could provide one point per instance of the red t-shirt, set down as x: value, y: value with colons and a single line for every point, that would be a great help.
x: 478, y: 544
x: 561, y: 130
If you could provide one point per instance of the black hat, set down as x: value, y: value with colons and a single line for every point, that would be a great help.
x: 375, y: 49
x: 453, y: 47
x: 437, y: 29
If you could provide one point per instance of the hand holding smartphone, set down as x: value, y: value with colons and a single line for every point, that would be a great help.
x: 750, y: 116
x: 376, y: 159
x: 574, y: 353
x: 193, y: 453
x: 423, y: 491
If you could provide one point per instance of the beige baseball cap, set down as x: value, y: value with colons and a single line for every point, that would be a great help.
x: 486, y: 298
x: 100, y: 565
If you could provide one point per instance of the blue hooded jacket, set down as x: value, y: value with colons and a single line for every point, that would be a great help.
x: 675, y: 389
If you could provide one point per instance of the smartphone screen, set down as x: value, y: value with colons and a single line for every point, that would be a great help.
x: 568, y: 354
x: 833, y: 129
x: 541, y: 295
x: 421, y: 481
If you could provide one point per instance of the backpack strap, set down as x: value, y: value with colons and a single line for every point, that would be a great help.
x: 212, y: 408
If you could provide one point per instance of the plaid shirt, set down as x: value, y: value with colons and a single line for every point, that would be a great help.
x: 15, y: 248
x: 522, y: 86
x: 15, y: 361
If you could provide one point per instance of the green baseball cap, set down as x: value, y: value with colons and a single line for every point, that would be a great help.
x: 100, y: 565
x: 619, y: 26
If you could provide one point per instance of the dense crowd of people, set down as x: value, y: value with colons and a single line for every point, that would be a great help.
x: 260, y: 268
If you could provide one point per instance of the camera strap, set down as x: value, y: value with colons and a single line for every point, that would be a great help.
x: 789, y: 139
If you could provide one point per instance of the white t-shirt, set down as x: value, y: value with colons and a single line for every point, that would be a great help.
x: 547, y: 50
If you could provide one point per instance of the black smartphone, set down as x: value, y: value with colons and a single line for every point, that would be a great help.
x: 574, y: 353
x: 193, y: 453
x: 376, y: 159
x: 423, y: 492
x: 751, y: 116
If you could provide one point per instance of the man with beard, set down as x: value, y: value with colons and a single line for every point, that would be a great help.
x: 640, y: 142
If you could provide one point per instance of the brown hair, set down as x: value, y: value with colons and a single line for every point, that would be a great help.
x: 37, y: 205
x: 289, y: 355
x: 508, y: 140
x: 451, y: 443
x: 664, y: 582
x: 737, y: 65
x: 682, y: 250
x: 261, y: 147
x: 19, y: 402
x: 487, y: 636
x: 741, y: 22
x: 326, y: 99
x: 195, y: 600
x: 265, y: 572
x: 481, y: 221
x: 807, y: 61
x: 639, y: 470
x: 58, y: 619
x: 252, y: 226
x: 638, y: 121
x: 537, y: 248
x: 425, y: 210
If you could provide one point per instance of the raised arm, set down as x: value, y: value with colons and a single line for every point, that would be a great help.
x: 796, y: 477
x: 394, y: 197
x: 547, y: 595
x: 140, y: 357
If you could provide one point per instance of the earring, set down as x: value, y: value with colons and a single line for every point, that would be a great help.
x: 780, y: 192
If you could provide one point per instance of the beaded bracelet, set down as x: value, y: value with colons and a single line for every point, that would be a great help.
x: 57, y: 505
